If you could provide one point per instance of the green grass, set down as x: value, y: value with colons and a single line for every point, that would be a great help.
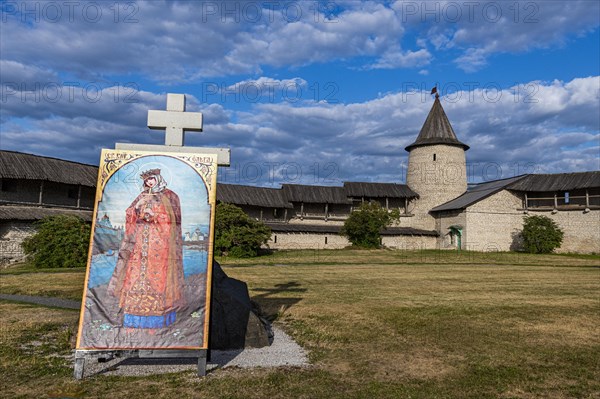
x: 378, y: 324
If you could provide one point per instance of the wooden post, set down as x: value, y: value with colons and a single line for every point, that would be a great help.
x: 526, y: 200
x: 78, y: 367
x: 326, y: 210
x: 555, y: 201
x: 261, y: 214
x: 587, y: 198
x: 202, y: 364
x: 285, y: 215
x: 301, y: 210
x: 79, y: 196
x: 387, y: 205
x: 41, y: 193
x: 406, y: 205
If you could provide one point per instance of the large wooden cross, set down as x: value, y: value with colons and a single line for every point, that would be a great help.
x: 175, y: 120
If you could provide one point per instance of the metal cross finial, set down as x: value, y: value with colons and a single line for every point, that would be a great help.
x: 175, y: 120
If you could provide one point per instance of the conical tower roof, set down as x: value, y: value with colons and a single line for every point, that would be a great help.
x: 436, y: 129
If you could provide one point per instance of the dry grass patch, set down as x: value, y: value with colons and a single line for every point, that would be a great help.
x: 417, y: 364
x: 35, y: 348
x: 67, y: 285
x: 376, y: 325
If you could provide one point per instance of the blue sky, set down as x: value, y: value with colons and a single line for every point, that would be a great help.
x: 308, y: 92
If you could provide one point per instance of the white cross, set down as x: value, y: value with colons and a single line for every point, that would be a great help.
x: 175, y: 120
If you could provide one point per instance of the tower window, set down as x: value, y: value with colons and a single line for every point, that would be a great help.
x: 434, y: 157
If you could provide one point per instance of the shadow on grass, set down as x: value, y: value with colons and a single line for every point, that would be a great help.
x: 276, y: 300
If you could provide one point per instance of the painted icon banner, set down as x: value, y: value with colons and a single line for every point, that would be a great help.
x: 149, y: 268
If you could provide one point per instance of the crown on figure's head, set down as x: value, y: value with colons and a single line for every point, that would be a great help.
x: 150, y: 173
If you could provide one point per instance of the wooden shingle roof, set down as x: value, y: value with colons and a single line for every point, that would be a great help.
x: 437, y: 130
x: 476, y: 193
x: 378, y: 190
x: 558, y: 182
x: 29, y: 213
x: 18, y: 165
x: 254, y: 196
x: 315, y: 194
x: 524, y: 183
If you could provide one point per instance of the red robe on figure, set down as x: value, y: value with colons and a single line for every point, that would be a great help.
x: 148, y: 279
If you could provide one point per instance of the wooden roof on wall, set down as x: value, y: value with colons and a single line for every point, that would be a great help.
x: 253, y: 196
x: 476, y: 193
x: 557, y: 182
x: 18, y: 165
x: 315, y: 194
x: 378, y: 190
x: 29, y: 213
x: 524, y: 183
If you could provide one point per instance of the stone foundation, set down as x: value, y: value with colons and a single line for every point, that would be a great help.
x: 12, y: 234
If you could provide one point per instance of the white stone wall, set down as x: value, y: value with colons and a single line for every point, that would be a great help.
x: 409, y: 242
x: 436, y: 182
x: 307, y: 241
x: 581, y: 230
x: 335, y: 241
x: 316, y: 221
x: 12, y: 235
x: 494, y: 224
x: 443, y: 223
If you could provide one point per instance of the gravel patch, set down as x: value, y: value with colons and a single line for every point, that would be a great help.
x: 282, y: 352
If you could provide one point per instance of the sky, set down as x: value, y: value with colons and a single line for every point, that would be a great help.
x: 308, y: 92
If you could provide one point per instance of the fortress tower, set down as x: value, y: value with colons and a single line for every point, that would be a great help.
x: 436, y: 166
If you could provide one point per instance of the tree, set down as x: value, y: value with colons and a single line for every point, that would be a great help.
x: 236, y: 234
x: 541, y: 235
x: 363, y: 226
x: 60, y: 241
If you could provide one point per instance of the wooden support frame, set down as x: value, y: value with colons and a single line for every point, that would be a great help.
x: 80, y: 356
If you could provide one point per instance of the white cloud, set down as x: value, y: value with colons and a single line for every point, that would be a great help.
x: 362, y: 141
x: 395, y: 58
x: 188, y: 41
x: 185, y: 41
x: 21, y: 77
x: 480, y: 29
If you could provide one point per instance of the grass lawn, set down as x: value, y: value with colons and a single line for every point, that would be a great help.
x: 378, y: 324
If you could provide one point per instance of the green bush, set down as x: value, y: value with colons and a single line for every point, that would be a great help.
x: 236, y: 234
x: 60, y: 241
x: 363, y: 226
x: 541, y: 235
